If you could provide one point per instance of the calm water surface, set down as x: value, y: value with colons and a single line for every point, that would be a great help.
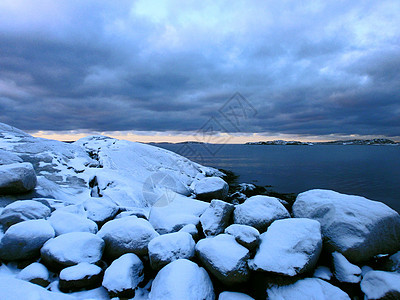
x: 369, y: 171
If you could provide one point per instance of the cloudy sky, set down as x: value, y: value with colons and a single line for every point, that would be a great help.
x: 155, y: 69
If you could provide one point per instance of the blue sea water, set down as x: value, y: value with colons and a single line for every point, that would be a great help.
x: 369, y: 171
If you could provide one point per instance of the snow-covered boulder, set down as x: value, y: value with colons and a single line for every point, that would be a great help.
x: 210, y: 188
x: 35, y: 273
x: 169, y: 247
x: 323, y: 272
x: 289, y: 247
x: 71, y: 249
x: 216, y: 217
x: 80, y: 276
x: 123, y: 276
x: 16, y: 289
x: 259, y: 212
x: 307, y: 289
x: 7, y: 158
x: 177, y: 214
x: 17, y: 178
x: 381, y: 285
x: 133, y: 211
x: 234, y: 296
x: 224, y: 258
x: 344, y: 270
x: 24, y: 240
x: 127, y: 235
x: 65, y: 222
x: 245, y: 235
x: 23, y: 210
x: 192, y: 229
x: 352, y: 225
x: 182, y: 279
x: 100, y: 210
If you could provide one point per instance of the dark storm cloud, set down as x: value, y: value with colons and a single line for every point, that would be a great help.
x: 312, y: 68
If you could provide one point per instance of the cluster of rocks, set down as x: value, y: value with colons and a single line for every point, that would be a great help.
x: 326, y: 246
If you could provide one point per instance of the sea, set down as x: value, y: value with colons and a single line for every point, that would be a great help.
x: 372, y: 171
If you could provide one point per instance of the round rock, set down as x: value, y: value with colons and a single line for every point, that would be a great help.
x: 169, y: 247
x: 224, y: 258
x: 127, y: 235
x: 259, y: 212
x: 71, y: 249
x: 182, y: 279
x: 80, y: 276
x: 17, y: 178
x: 65, y: 222
x: 211, y: 188
x: 24, y: 240
x: 245, y: 235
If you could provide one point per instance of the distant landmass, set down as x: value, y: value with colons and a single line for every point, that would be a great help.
x: 340, y: 142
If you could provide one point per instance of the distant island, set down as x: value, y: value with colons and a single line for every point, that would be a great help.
x: 340, y: 142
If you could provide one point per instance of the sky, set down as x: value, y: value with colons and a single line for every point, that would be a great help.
x: 201, y: 70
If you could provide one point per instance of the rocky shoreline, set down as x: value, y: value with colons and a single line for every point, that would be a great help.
x: 102, y: 218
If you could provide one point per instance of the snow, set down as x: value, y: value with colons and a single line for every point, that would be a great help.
x: 224, y: 257
x: 259, y: 212
x: 192, y: 229
x: 34, y: 271
x: 234, y: 296
x: 17, y: 178
x: 182, y: 279
x: 323, y: 272
x: 245, y: 235
x: 127, y: 235
x: 216, y: 217
x: 24, y: 240
x: 15, y: 289
x: 352, y: 225
x: 23, y: 210
x: 289, y: 247
x: 79, y: 271
x: 124, y: 273
x: 377, y: 284
x: 344, y: 270
x: 169, y: 247
x: 73, y: 248
x: 307, y: 289
x: 65, y: 222
x: 394, y: 262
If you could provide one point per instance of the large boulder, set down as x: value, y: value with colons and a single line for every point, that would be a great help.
x: 211, y: 188
x: 80, y: 276
x: 216, y: 217
x: 307, y: 289
x: 71, y: 249
x: 245, y: 235
x: 23, y: 210
x: 65, y: 222
x: 17, y: 178
x: 381, y: 285
x: 24, y: 240
x: 100, y: 210
x: 169, y: 247
x: 35, y: 273
x: 354, y: 226
x: 344, y: 270
x: 127, y: 235
x: 182, y: 279
x: 289, y: 247
x: 123, y: 276
x: 224, y: 258
x: 259, y: 212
